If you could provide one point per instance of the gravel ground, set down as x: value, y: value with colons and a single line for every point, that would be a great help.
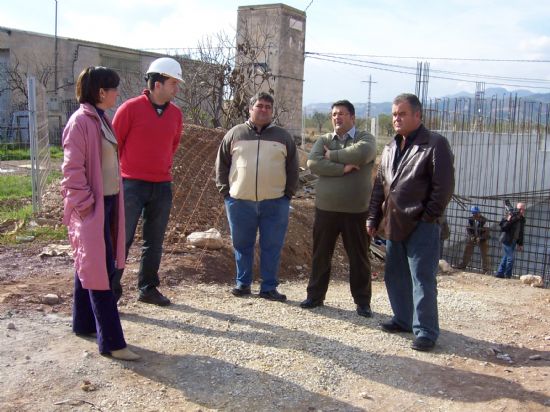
x: 211, y: 351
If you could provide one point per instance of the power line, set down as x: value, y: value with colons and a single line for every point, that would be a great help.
x: 438, y: 58
x: 465, y: 74
x: 436, y: 77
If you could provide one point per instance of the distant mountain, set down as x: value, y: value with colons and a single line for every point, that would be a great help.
x: 498, y: 92
x: 385, y: 108
x: 360, y: 108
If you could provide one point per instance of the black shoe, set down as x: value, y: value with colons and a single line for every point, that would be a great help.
x: 241, y: 291
x: 364, y: 310
x: 154, y: 297
x: 392, y: 327
x: 311, y: 303
x: 273, y: 295
x: 423, y: 344
x: 500, y: 276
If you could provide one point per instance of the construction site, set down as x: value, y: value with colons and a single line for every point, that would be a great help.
x: 210, y: 351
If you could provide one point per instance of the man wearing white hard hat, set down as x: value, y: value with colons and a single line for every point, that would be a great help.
x: 148, y: 129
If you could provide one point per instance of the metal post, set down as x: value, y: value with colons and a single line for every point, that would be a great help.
x: 55, y: 53
x: 33, y: 137
x: 367, y: 117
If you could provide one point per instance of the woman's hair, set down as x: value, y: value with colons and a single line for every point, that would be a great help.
x: 91, y: 80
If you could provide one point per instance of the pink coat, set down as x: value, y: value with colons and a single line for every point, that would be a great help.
x: 82, y: 187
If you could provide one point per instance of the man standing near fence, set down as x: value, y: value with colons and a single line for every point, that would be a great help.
x: 413, y: 186
x: 257, y: 173
x: 478, y: 234
x: 512, y: 227
x: 148, y: 129
x: 343, y: 160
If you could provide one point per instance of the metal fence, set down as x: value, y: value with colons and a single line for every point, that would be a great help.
x: 14, y: 132
x: 501, y: 149
x: 39, y: 141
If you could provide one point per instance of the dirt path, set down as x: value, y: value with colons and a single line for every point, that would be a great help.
x: 211, y: 351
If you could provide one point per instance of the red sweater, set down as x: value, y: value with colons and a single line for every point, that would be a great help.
x: 146, y: 141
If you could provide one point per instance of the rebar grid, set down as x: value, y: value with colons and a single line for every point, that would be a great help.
x: 501, y: 152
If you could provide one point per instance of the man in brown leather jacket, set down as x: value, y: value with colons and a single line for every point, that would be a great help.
x: 413, y: 185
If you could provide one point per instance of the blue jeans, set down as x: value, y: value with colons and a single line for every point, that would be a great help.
x: 245, y: 218
x: 410, y: 276
x: 507, y: 262
x: 152, y: 201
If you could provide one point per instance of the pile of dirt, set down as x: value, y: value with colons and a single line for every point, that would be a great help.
x: 198, y: 206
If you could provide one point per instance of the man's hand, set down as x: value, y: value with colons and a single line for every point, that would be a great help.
x: 371, y: 231
x: 350, y: 168
x: 327, y: 152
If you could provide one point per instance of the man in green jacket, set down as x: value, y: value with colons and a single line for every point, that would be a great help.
x: 343, y: 160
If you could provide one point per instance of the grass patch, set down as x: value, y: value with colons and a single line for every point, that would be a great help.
x: 46, y: 233
x: 38, y: 233
x: 16, y: 209
x: 7, y: 153
x: 10, y: 152
x: 56, y: 152
x: 15, y: 187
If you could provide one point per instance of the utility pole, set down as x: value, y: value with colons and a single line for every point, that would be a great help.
x: 370, y: 82
x: 368, y: 119
x: 55, y: 53
x: 422, y: 81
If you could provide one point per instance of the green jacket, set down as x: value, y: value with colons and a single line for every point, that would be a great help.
x: 336, y: 191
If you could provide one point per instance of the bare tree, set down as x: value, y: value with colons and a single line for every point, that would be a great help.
x: 13, y: 78
x: 205, y: 70
x: 223, y: 72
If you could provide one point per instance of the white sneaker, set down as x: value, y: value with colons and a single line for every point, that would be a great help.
x: 125, y: 354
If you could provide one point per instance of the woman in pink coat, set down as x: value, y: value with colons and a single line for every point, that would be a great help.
x: 94, y: 210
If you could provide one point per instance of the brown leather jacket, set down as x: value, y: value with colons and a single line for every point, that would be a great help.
x: 420, y: 189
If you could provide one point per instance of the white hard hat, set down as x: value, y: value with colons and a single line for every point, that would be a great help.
x: 167, y: 67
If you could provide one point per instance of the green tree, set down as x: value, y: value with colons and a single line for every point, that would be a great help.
x: 385, y: 125
x: 319, y: 120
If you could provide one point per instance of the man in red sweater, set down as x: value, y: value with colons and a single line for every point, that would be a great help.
x: 148, y: 129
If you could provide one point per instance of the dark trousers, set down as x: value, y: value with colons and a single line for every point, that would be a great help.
x: 152, y: 201
x: 326, y: 229
x: 469, y: 251
x: 95, y: 311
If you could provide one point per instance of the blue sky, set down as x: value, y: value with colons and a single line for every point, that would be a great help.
x: 467, y: 29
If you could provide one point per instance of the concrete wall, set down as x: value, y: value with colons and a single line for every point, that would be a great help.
x: 286, y: 28
x: 34, y: 53
x: 489, y: 168
x: 491, y: 164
